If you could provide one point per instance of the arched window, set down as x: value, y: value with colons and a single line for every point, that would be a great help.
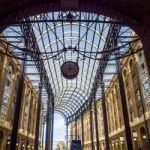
x: 131, y: 64
x: 148, y: 106
x: 124, y: 74
x: 144, y: 139
x: 8, y: 85
x: 146, y: 86
x: 141, y: 111
x: 7, y: 90
x: 132, y: 116
x: 133, y: 71
x: 1, y: 66
x: 138, y: 97
x: 137, y: 91
x: 26, y: 113
x: 1, y: 61
x: 13, y: 105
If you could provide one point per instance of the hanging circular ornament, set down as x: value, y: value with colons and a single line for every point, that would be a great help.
x: 70, y: 69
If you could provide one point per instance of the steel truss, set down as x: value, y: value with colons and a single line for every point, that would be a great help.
x: 30, y: 43
x: 72, y: 98
x: 100, y: 72
x: 14, y: 18
x: 112, y: 42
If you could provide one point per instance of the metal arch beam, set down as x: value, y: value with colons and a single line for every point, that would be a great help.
x: 62, y: 111
x: 63, y: 96
x: 74, y: 116
x: 64, y: 105
x: 72, y: 93
x: 78, y: 113
x: 73, y: 88
x: 91, y: 66
x: 59, y: 25
x: 71, y: 108
x: 65, y: 111
x: 16, y: 17
x: 64, y: 101
x: 85, y: 62
x: 71, y: 104
x: 90, y: 85
x: 31, y: 44
x: 76, y: 97
x: 101, y: 64
x: 70, y: 88
x: 64, y: 116
x: 65, y: 108
x: 68, y: 38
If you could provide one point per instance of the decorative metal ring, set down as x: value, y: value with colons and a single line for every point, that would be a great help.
x: 70, y: 69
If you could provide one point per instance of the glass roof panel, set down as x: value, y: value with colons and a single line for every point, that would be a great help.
x: 70, y: 36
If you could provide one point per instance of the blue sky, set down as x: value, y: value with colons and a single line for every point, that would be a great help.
x: 59, y: 128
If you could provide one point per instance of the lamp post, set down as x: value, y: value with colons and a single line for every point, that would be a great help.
x: 135, y: 139
x: 121, y: 142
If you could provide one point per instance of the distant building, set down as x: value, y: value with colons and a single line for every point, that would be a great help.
x: 60, y: 146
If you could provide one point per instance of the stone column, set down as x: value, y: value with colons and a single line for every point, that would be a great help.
x: 116, y: 103
x: 23, y: 108
x: 144, y: 34
x: 35, y: 114
x: 3, y: 82
x: 132, y: 93
x: 11, y: 98
x: 113, y: 112
x: 32, y: 115
x: 4, y: 140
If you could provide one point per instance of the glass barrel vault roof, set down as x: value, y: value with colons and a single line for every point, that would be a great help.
x: 69, y: 36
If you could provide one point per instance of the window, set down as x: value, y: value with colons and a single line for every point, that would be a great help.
x: 13, y: 105
x: 4, y: 107
x: 140, y: 54
x: 129, y: 101
x: 1, y: 61
x: 1, y: 64
x: 143, y: 68
x: 132, y: 116
x: 146, y: 87
x: 141, y: 111
x: 148, y: 106
x: 26, y: 117
x: 131, y: 64
x: 138, y: 97
x: 124, y: 74
x: 7, y: 85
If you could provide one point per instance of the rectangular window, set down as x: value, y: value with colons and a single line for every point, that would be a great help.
x: 146, y: 88
x: 138, y: 97
x: 148, y: 106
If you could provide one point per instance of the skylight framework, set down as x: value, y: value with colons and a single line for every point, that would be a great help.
x: 70, y: 36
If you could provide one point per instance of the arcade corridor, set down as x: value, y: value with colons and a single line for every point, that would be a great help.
x: 90, y: 67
